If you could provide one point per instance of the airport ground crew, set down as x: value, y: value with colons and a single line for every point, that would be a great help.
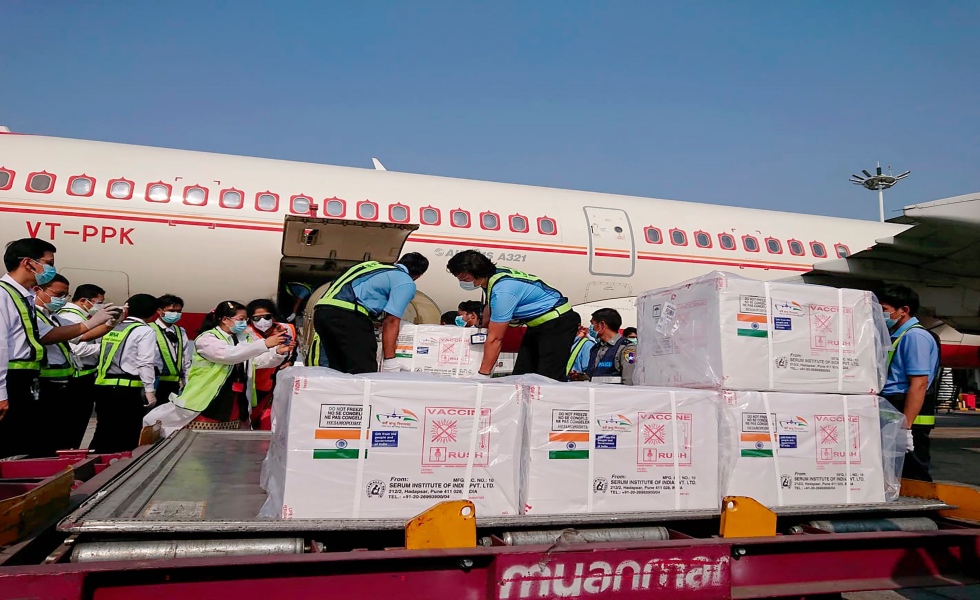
x: 612, y: 359
x: 29, y: 263
x: 578, y: 362
x: 470, y: 314
x: 221, y: 384
x: 175, y: 348
x: 344, y: 317
x: 913, y: 362
x: 630, y: 334
x: 126, y: 380
x: 264, y: 322
x: 522, y: 299
x: 449, y: 318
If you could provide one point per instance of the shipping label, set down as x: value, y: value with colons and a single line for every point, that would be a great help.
x: 825, y: 328
x: 341, y: 416
x: 655, y: 442
x: 446, y: 441
x: 831, y: 440
x: 569, y: 420
x: 754, y: 305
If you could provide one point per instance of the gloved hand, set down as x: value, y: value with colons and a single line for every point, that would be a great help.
x: 391, y: 365
x: 481, y: 376
x: 108, y: 312
x: 909, y: 445
x: 291, y: 318
x: 150, y: 399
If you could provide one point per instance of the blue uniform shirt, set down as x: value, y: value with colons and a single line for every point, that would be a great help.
x: 390, y: 291
x: 581, y: 364
x: 916, y: 354
x: 514, y: 299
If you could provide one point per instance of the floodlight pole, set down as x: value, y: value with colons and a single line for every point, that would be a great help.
x: 881, y: 204
x: 881, y: 182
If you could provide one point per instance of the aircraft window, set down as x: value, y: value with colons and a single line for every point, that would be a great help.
x: 158, y: 192
x: 267, y: 202
x: 726, y: 241
x: 398, y: 213
x: 460, y: 218
x: 120, y: 189
x: 518, y: 224
x: 367, y: 210
x: 489, y: 220
x: 653, y: 235
x: 195, y: 195
x: 818, y: 250
x: 81, y: 186
x: 702, y: 239
x: 40, y: 183
x: 678, y: 237
x: 547, y: 226
x: 842, y: 250
x: 796, y: 247
x: 6, y: 179
x: 431, y: 216
x: 300, y: 204
x: 773, y: 246
x: 231, y: 199
x: 750, y: 243
x: 336, y: 207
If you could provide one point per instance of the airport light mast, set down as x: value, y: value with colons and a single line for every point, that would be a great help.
x: 880, y: 182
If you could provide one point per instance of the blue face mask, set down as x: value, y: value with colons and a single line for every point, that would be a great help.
x: 170, y: 317
x: 56, y: 304
x: 238, y: 326
x: 469, y: 286
x: 889, y: 321
x: 460, y: 321
x: 45, y: 276
x: 592, y: 333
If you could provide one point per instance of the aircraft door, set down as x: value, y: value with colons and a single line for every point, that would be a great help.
x: 611, y: 247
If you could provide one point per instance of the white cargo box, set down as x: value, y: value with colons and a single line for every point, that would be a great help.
x: 444, y: 350
x: 390, y: 445
x: 727, y: 332
x: 802, y: 454
x: 603, y: 448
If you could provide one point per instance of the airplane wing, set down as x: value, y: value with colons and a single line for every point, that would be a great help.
x: 938, y: 257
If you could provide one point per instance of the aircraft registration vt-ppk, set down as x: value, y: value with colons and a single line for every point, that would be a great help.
x: 210, y: 227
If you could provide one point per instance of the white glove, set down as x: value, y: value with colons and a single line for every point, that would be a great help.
x: 391, y: 365
x: 151, y: 399
x: 481, y: 376
x: 291, y: 318
x: 909, y: 445
x: 108, y: 312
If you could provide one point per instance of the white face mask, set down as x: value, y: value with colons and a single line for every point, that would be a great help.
x: 469, y: 286
x: 263, y: 325
x: 95, y: 308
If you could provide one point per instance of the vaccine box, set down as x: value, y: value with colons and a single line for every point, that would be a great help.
x: 443, y: 350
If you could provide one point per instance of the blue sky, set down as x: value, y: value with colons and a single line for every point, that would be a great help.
x: 750, y: 103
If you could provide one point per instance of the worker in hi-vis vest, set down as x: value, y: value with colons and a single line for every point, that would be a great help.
x: 514, y: 297
x: 344, y: 317
x: 174, y: 345
x: 578, y: 362
x: 913, y: 362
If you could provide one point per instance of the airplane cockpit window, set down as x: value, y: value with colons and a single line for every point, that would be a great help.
x: 195, y: 195
x: 547, y: 226
x: 231, y: 199
x: 267, y: 202
x: 431, y: 216
x: 702, y: 239
x: 489, y: 220
x: 300, y: 204
x: 750, y: 243
x: 678, y: 237
x: 773, y: 246
x: 796, y: 247
x: 518, y: 224
x: 336, y: 207
x: 120, y: 189
x: 398, y: 213
x: 158, y: 192
x: 40, y: 183
x: 726, y: 241
x: 81, y: 186
x: 367, y: 210
x: 460, y: 218
x: 6, y: 179
x: 818, y: 249
x: 653, y: 235
x: 842, y: 250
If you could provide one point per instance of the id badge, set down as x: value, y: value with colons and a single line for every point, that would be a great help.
x: 238, y: 387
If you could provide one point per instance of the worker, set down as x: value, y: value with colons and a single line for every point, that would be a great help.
x: 578, y: 362
x: 913, y: 362
x: 220, y: 390
x: 449, y: 318
x: 612, y: 358
x: 469, y: 314
x: 630, y: 334
x: 126, y: 380
x: 29, y: 263
x: 301, y: 292
x: 519, y: 298
x: 174, y: 345
x: 344, y: 317
x: 264, y: 322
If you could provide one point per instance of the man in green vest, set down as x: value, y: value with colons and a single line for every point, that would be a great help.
x: 913, y: 363
x: 29, y: 263
x: 344, y: 317
x: 175, y: 350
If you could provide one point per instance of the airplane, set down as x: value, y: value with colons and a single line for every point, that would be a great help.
x: 210, y: 227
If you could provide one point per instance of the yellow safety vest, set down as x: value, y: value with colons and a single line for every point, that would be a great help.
x: 112, y: 343
x: 560, y: 308
x: 61, y: 372
x: 206, y: 378
x: 172, y: 365
x: 36, y: 357
x: 576, y: 350
x: 921, y: 419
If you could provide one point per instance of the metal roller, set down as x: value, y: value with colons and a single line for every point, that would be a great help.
x: 865, y: 525
x: 157, y: 550
x: 585, y: 536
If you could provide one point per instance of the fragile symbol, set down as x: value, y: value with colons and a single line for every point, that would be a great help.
x: 828, y: 434
x: 444, y: 431
x: 653, y: 434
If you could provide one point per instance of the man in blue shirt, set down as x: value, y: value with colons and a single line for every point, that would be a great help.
x: 513, y: 296
x: 581, y: 351
x: 913, y: 362
x: 344, y: 317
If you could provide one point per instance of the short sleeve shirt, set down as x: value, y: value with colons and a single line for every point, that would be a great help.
x: 513, y: 299
x: 917, y: 354
x: 388, y: 291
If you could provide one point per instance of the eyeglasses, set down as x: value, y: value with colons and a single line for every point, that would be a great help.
x: 40, y: 262
x: 257, y: 318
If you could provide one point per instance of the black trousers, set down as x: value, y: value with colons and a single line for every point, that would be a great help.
x: 120, y: 418
x: 54, y: 400
x: 347, y: 340
x: 78, y: 411
x: 545, y: 349
x: 164, y: 389
x: 21, y: 421
x: 917, y: 462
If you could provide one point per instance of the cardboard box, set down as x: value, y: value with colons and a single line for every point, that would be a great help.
x: 444, y: 350
x: 390, y: 445
x: 803, y: 454
x: 727, y: 332
x: 609, y: 448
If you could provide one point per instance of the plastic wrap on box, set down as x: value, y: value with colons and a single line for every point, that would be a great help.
x: 795, y: 450
x: 444, y: 350
x: 391, y: 445
x: 602, y: 448
x: 728, y: 332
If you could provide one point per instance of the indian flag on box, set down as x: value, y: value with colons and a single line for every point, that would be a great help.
x: 568, y: 445
x: 752, y: 325
x: 755, y: 445
x: 338, y: 443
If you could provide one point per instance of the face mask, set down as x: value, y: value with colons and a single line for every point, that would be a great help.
x: 56, y: 304
x: 592, y: 333
x: 263, y: 325
x: 889, y: 321
x: 170, y: 317
x: 238, y: 326
x: 469, y: 286
x: 460, y: 321
x: 95, y: 308
x: 631, y: 341
x: 45, y: 276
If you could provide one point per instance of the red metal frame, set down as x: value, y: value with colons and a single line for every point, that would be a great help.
x: 813, y: 250
x: 660, y: 235
x: 553, y: 222
x: 496, y: 218
x: 357, y: 210
x: 706, y: 235
x: 188, y: 188
x: 438, y: 215
x: 789, y: 246
x: 221, y: 198
x: 754, y: 239
x: 108, y: 188
x: 48, y: 190
x: 510, y: 223
x: 391, y: 213
x: 292, y: 203
x: 670, y: 234
x: 779, y: 245
x: 170, y: 192
x: 72, y: 179
x: 452, y: 221
x: 727, y: 236
x: 274, y: 195
x: 847, y: 251
x: 326, y: 208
